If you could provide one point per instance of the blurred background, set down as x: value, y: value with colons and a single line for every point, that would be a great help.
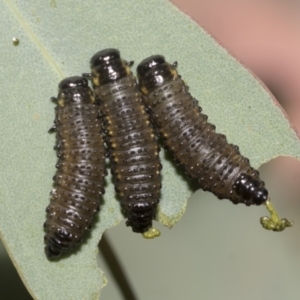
x: 219, y: 250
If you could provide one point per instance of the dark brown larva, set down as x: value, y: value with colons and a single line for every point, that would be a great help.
x: 133, y: 149
x: 206, y: 155
x: 79, y: 179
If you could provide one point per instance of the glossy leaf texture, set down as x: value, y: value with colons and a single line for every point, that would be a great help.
x: 56, y: 40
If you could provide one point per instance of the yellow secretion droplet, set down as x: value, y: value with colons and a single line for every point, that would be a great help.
x: 274, y: 222
x: 151, y: 233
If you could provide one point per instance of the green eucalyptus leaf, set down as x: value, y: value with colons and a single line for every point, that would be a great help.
x: 56, y: 40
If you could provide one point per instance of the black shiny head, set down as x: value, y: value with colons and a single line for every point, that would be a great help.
x: 74, y: 90
x: 153, y: 72
x: 108, y: 66
x: 72, y: 82
x: 104, y: 57
x: 149, y: 63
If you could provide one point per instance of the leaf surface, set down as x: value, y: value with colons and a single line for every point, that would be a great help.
x: 57, y: 40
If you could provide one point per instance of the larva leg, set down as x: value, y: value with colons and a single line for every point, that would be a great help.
x: 52, y: 129
x: 87, y: 75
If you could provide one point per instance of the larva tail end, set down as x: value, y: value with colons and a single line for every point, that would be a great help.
x: 151, y: 233
x: 274, y: 222
x: 51, y: 253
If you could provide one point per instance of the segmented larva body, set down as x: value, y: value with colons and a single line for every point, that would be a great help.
x: 131, y: 142
x: 79, y: 180
x: 206, y: 155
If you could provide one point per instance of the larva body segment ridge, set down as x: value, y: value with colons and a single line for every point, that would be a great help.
x: 79, y: 180
x: 206, y: 155
x: 133, y: 150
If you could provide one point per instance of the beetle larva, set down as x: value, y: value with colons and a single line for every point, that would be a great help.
x: 79, y: 180
x: 133, y: 149
x: 206, y: 155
